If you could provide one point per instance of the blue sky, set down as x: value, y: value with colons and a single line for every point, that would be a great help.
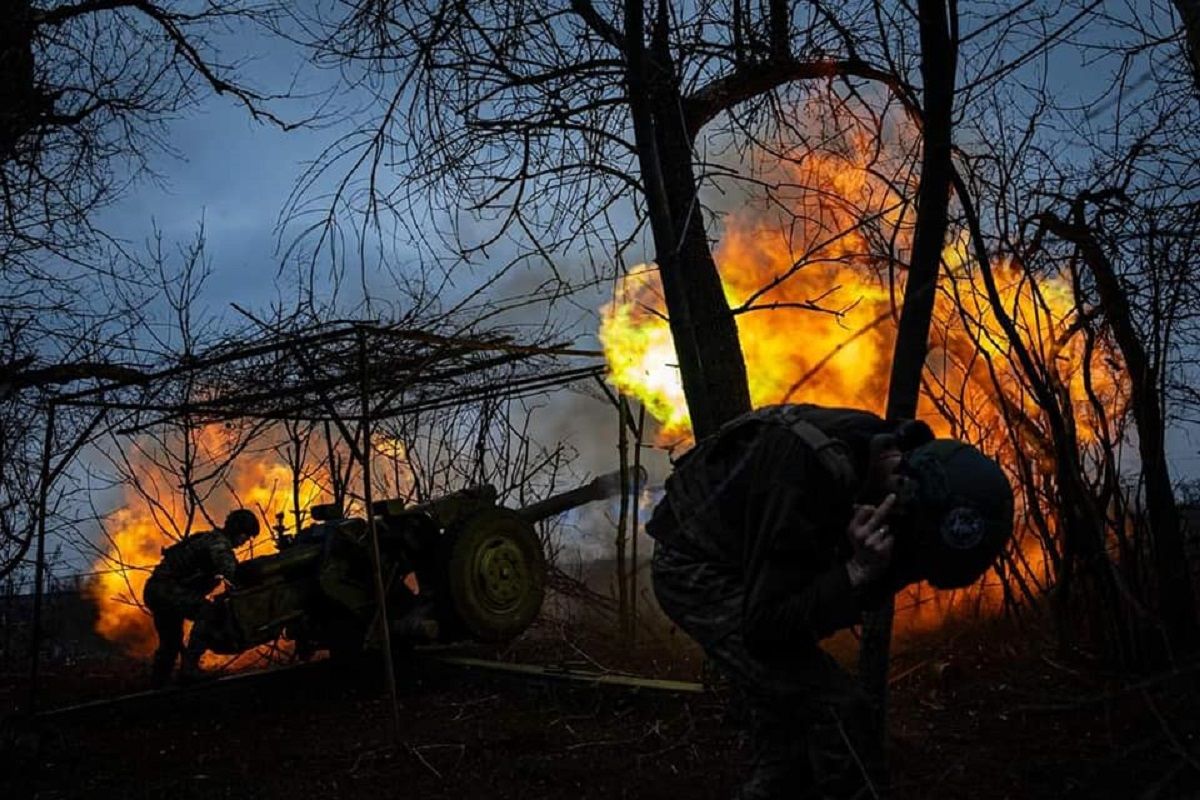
x: 230, y: 171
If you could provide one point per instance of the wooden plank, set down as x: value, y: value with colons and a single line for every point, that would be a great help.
x: 592, y: 678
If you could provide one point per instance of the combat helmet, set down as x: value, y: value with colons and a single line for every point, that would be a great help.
x: 959, y: 506
x: 241, y: 525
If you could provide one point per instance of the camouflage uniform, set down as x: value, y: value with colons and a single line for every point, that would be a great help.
x: 749, y: 560
x: 178, y: 589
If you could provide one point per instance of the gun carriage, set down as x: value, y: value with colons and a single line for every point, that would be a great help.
x: 457, y: 567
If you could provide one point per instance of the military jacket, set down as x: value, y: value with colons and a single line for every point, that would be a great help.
x: 757, y: 503
x: 197, y: 561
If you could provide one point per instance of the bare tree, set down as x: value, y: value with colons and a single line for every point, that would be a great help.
x: 1189, y: 15
x: 1144, y: 365
x: 1102, y: 197
x: 532, y: 126
x: 938, y: 23
x: 86, y: 90
x: 548, y: 121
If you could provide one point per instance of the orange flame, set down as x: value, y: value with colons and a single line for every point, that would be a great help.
x: 775, y: 276
x: 137, y: 532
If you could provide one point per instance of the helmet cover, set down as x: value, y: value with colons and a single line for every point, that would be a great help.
x: 241, y: 524
x: 962, y: 508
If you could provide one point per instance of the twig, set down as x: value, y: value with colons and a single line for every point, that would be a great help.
x: 1177, y: 745
x: 895, y: 679
x: 603, y: 743
x: 422, y: 759
x: 1156, y: 788
x: 1112, y: 695
x: 854, y: 754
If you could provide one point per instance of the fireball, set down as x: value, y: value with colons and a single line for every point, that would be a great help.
x: 817, y: 313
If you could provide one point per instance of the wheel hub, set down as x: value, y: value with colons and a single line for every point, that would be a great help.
x: 501, y: 575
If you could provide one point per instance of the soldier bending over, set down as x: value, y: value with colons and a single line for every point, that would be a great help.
x: 178, y: 589
x: 785, y: 526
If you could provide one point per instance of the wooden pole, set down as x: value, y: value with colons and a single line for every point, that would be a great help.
x: 376, y: 559
x: 39, y: 565
x: 297, y: 466
x: 335, y: 470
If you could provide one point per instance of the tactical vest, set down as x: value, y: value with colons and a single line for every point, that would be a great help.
x: 190, y: 562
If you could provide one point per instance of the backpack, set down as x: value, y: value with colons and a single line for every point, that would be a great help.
x: 833, y: 454
x: 189, y: 561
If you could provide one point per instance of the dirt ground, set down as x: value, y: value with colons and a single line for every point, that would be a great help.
x: 973, y: 716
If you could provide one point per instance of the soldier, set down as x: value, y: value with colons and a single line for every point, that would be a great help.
x: 785, y: 526
x: 178, y: 589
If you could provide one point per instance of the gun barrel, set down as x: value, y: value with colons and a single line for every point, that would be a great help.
x: 602, y: 487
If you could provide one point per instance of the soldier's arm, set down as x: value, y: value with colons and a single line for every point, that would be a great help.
x: 789, y: 603
x: 224, y: 561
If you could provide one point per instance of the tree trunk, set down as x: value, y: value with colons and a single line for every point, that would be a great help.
x: 706, y: 341
x: 21, y: 103
x: 1189, y: 14
x: 1176, y: 603
x: 623, y: 517
x: 938, y: 64
x: 706, y: 338
x: 636, y: 491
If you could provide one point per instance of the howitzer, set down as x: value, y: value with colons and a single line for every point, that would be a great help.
x: 459, y: 566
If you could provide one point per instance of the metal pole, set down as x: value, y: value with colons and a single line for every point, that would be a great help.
x: 376, y: 559
x: 39, y: 566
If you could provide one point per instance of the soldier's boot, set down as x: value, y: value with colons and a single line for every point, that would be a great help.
x: 190, y: 672
x: 161, y: 668
x: 419, y: 625
x: 844, y: 751
x: 781, y: 768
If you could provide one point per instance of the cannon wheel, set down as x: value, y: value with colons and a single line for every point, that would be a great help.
x: 495, y: 575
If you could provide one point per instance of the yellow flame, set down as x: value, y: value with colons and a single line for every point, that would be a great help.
x: 842, y: 356
x: 137, y: 532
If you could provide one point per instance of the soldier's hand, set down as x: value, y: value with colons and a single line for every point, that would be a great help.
x: 872, y: 541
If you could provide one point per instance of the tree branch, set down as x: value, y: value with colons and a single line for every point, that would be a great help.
x: 599, y: 25
x: 19, y: 374
x: 752, y: 80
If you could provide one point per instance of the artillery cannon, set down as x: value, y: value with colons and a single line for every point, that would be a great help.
x: 456, y: 567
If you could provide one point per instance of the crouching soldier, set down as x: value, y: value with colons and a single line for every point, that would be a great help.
x: 178, y: 589
x: 785, y: 526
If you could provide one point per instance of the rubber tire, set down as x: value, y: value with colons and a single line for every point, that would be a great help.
x: 505, y: 607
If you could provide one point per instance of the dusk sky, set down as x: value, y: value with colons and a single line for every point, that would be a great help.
x: 236, y: 174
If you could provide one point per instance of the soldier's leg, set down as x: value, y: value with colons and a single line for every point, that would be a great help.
x: 778, y: 697
x: 204, y: 618
x: 172, y: 603
x: 708, y: 607
x: 168, y: 626
x: 844, y: 747
x: 810, y: 724
x: 189, y: 665
x: 779, y: 762
x: 821, y: 749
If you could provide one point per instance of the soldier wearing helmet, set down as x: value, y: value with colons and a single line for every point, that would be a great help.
x: 784, y: 527
x: 178, y: 589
